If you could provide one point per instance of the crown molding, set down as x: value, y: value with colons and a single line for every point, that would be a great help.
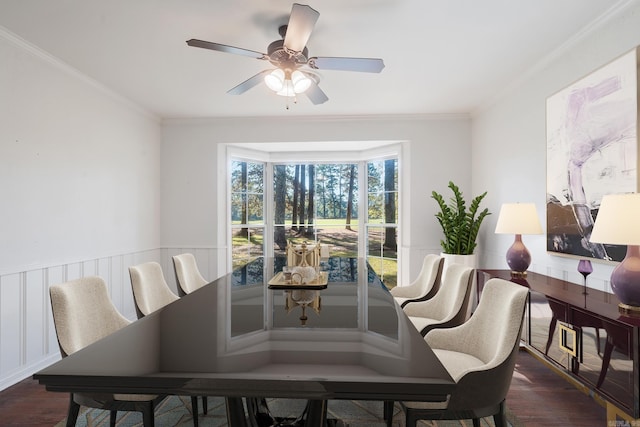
x: 618, y: 9
x: 319, y: 119
x: 57, y: 63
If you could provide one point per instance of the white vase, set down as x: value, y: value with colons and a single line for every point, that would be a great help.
x: 469, y: 261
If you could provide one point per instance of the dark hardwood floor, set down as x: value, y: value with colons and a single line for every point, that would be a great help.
x: 538, y: 397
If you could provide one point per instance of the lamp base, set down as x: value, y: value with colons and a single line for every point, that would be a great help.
x: 518, y: 258
x: 629, y: 310
x: 625, y: 280
x: 519, y: 274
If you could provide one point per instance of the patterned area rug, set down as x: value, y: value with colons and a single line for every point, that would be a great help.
x: 176, y: 411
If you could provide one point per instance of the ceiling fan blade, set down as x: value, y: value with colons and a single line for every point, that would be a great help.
x: 249, y: 83
x: 301, y: 22
x: 315, y: 94
x: 365, y: 65
x: 227, y: 49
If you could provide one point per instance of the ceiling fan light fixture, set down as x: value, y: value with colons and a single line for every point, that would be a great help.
x: 275, y: 80
x: 294, y: 71
x: 287, y: 89
x: 300, y: 82
x: 286, y: 82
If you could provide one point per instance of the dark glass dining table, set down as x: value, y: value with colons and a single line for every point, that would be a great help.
x: 237, y: 338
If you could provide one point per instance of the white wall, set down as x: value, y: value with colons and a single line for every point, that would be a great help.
x: 437, y: 150
x: 79, y: 185
x: 509, y: 142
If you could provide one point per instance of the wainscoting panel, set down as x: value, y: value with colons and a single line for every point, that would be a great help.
x: 35, y: 316
x: 28, y: 340
x: 11, y: 331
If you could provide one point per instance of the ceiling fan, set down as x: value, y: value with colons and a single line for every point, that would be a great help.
x: 294, y: 68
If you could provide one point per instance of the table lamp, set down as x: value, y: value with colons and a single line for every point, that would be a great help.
x: 618, y: 223
x: 518, y: 219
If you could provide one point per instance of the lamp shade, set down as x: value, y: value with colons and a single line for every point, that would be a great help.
x: 518, y: 218
x: 618, y: 220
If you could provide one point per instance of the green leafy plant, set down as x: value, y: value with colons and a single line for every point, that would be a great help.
x: 460, y: 227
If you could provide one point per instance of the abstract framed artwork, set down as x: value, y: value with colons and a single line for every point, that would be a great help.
x: 592, y: 150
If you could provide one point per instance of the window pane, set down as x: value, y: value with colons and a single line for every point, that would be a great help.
x: 376, y: 208
x: 255, y: 173
x: 247, y: 211
x: 316, y: 201
x: 386, y: 269
x: 285, y: 234
x: 390, y: 247
x: 256, y: 208
x: 375, y: 239
x: 342, y: 242
x: 391, y: 174
x: 237, y: 208
x: 237, y: 173
x: 382, y: 255
x: 382, y: 234
x: 247, y: 245
x: 391, y: 208
x: 375, y: 177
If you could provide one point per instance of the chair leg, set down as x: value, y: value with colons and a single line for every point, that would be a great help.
x: 113, y: 414
x: 72, y: 414
x: 147, y: 414
x: 317, y: 416
x: 476, y: 422
x: 410, y: 418
x: 204, y: 405
x: 235, y: 411
x: 194, y: 410
x: 387, y: 412
x: 500, y: 419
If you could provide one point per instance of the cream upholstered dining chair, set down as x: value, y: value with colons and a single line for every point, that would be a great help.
x: 480, y: 355
x: 82, y: 314
x: 151, y: 293
x: 188, y: 276
x: 425, y: 286
x: 448, y: 307
x: 150, y: 289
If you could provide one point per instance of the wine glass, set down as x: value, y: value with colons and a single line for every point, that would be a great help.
x: 585, y: 268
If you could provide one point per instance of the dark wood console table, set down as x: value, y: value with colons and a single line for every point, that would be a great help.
x: 584, y: 335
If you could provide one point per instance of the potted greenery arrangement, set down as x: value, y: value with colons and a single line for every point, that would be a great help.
x: 460, y: 227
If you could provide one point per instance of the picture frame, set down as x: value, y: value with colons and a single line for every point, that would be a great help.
x: 592, y: 150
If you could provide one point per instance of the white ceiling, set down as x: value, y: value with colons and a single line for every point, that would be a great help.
x: 441, y: 56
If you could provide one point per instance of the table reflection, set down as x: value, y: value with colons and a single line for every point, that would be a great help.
x: 355, y: 299
x: 249, y: 324
x: 302, y: 298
